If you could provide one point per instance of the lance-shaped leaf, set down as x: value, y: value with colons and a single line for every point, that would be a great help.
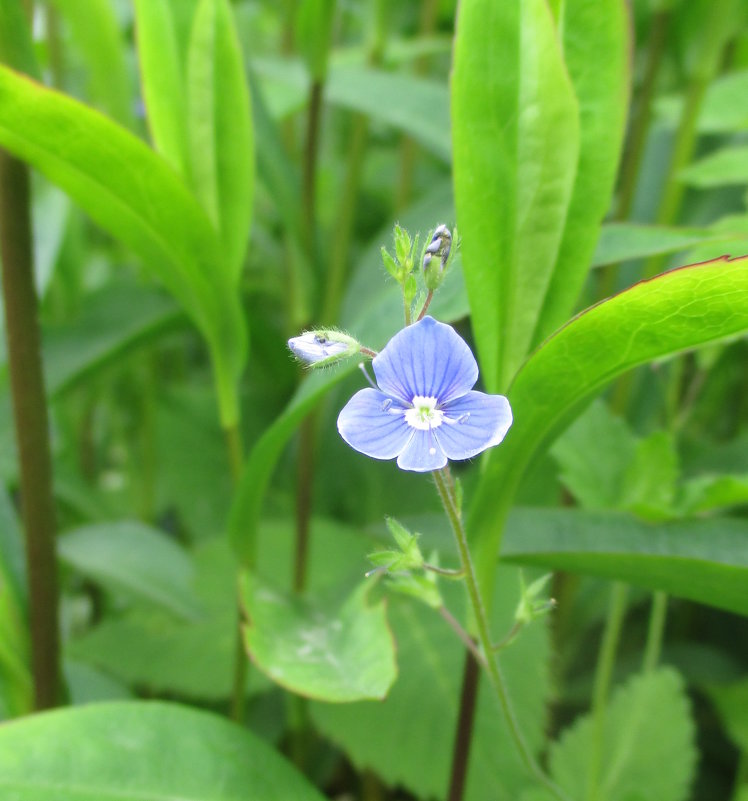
x: 329, y: 651
x: 162, y: 77
x: 134, y: 195
x: 220, y: 133
x: 654, y: 319
x: 136, y: 750
x: 602, y: 88
x: 515, y: 133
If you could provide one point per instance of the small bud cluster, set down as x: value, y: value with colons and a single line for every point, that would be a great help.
x: 436, y: 257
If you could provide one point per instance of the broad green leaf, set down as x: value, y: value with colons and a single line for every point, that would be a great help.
x: 112, y: 321
x: 515, y: 133
x: 221, y: 141
x: 721, y: 168
x: 135, y: 196
x: 408, y: 739
x: 707, y: 493
x: 135, y: 558
x: 705, y: 560
x: 648, y: 747
x: 328, y: 650
x: 162, y: 77
x: 148, y: 648
x: 97, y: 37
x: 654, y: 319
x: 141, y: 751
x: 623, y: 241
x: 723, y: 109
x: 417, y: 106
x: 87, y: 685
x: 590, y: 26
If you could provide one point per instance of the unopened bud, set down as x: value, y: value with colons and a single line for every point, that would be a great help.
x: 323, y: 347
x: 436, y: 256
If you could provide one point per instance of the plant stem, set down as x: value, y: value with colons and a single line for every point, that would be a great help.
x: 443, y: 482
x: 309, y: 176
x: 31, y: 428
x: 655, y: 632
x: 603, y: 676
x: 235, y: 452
x: 304, y: 484
x: 464, y: 733
x: 466, y: 639
x: 426, y: 305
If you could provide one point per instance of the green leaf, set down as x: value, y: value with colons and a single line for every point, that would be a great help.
x: 106, y: 752
x: 708, y: 493
x: 314, y: 20
x: 16, y: 45
x: 731, y: 701
x: 648, y: 749
x: 113, y: 320
x: 654, y: 319
x: 221, y: 139
x: 408, y: 739
x: 97, y: 36
x: 722, y: 168
x: 331, y: 651
x: 588, y: 26
x: 135, y: 558
x: 515, y: 132
x: 135, y: 196
x: 416, y: 106
x: 624, y: 241
x: 163, y: 80
x: 703, y: 560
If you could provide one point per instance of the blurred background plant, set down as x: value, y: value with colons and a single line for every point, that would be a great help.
x: 209, y: 178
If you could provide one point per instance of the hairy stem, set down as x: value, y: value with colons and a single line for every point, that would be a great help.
x: 444, y: 484
x: 31, y: 428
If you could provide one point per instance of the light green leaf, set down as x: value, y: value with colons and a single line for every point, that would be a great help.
x: 588, y: 26
x: 416, y: 106
x: 654, y: 319
x: 135, y: 558
x: 135, y: 196
x: 708, y: 493
x: 221, y: 139
x: 16, y: 45
x: 723, y: 109
x: 731, y: 701
x: 330, y: 651
x: 515, y: 132
x: 163, y: 80
x: 106, y: 752
x: 648, y: 749
x: 97, y: 37
x: 314, y: 20
x: 623, y: 241
x: 703, y: 560
x: 722, y: 168
x: 408, y: 739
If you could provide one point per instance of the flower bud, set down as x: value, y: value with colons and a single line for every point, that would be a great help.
x: 436, y: 256
x: 323, y: 347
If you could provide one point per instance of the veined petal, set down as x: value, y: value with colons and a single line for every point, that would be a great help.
x: 374, y: 424
x: 473, y: 423
x: 422, y: 454
x: 428, y: 359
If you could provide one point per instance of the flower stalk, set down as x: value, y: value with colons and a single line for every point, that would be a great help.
x: 444, y: 482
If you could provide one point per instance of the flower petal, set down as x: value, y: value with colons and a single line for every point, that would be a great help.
x: 473, y: 423
x: 373, y: 424
x: 428, y: 359
x: 422, y: 454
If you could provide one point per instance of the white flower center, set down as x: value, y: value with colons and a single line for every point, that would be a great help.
x: 424, y: 414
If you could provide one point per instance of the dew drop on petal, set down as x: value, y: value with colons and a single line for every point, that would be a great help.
x: 464, y: 418
x: 432, y: 451
x: 386, y: 404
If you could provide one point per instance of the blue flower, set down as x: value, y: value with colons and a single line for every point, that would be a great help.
x: 425, y: 410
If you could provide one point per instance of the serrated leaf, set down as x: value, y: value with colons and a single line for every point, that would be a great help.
x: 106, y: 752
x: 408, y: 739
x: 647, y: 750
x: 331, y: 651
